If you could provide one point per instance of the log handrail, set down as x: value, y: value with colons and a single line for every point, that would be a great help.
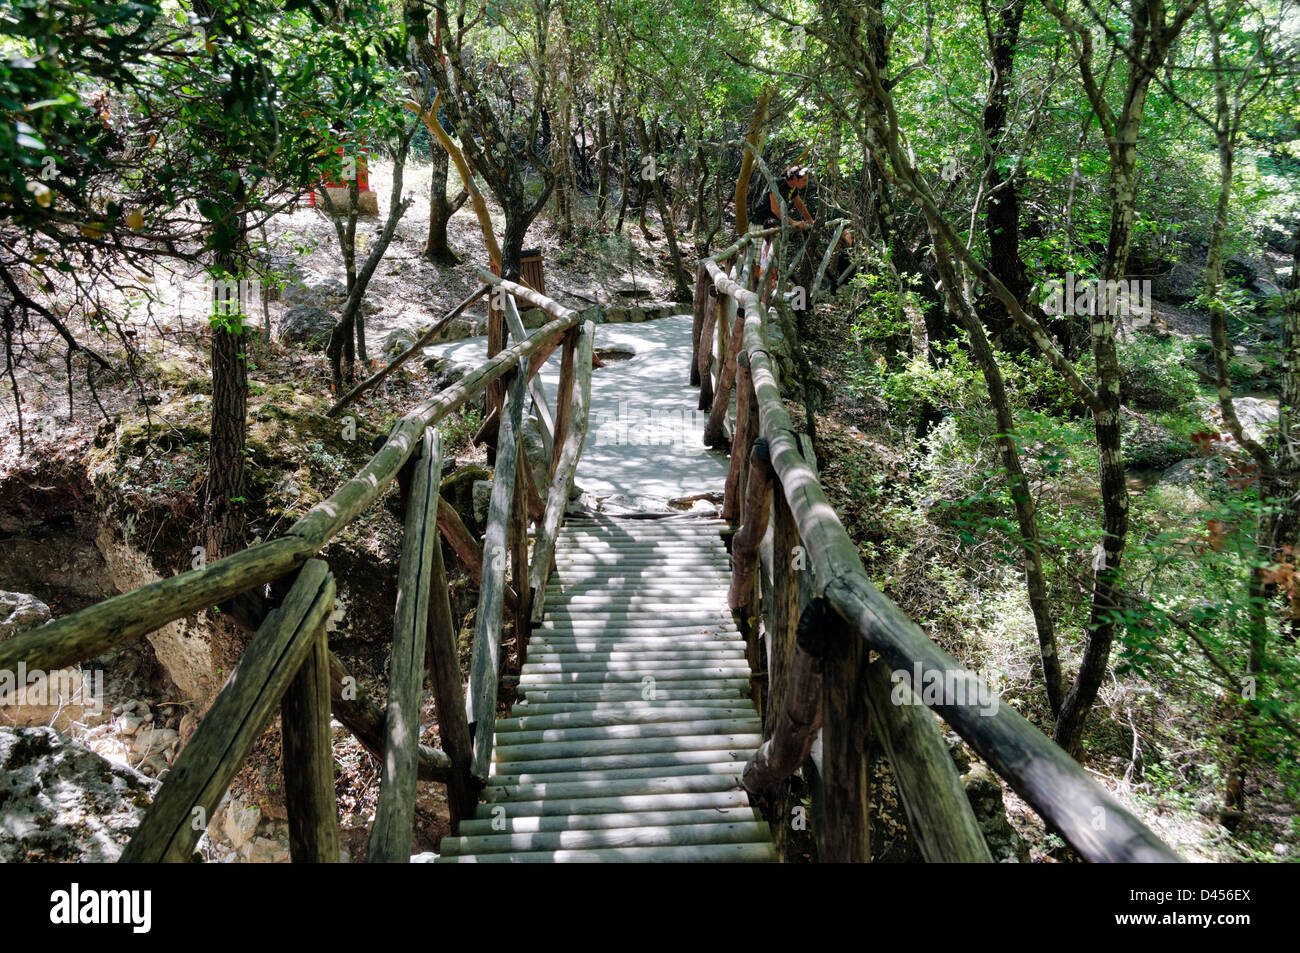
x: 1092, y: 821
x: 288, y: 662
x: 85, y: 634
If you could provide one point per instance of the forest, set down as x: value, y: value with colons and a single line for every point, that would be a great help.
x: 928, y: 371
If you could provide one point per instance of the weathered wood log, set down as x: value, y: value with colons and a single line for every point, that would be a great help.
x: 742, y: 439
x: 485, y: 663
x: 785, y: 606
x: 557, y: 497
x: 546, y: 422
x: 359, y: 715
x: 1044, y: 775
x: 532, y: 296
x: 442, y: 658
x: 844, y: 813
x: 308, y: 758
x: 487, y: 431
x: 393, y: 827
x: 496, y: 340
x: 939, y: 814
x: 519, y: 552
x: 798, y: 719
x: 699, y: 302
x: 326, y: 518
x: 563, y: 398
x: 744, y: 548
x: 715, y: 304
x: 91, y: 631
x: 462, y: 542
x: 183, y: 806
x: 715, y: 430
x: 419, y: 345
x: 826, y: 260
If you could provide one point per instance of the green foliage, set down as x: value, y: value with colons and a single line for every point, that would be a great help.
x: 1156, y: 373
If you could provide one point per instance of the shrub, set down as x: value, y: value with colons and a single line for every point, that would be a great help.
x: 1156, y: 374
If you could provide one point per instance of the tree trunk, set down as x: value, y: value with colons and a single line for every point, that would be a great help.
x: 436, y: 247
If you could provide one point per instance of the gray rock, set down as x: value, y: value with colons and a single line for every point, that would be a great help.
x: 62, y: 802
x: 397, y: 341
x: 460, y: 328
x: 482, y: 497
x: 533, y: 318
x: 985, y: 796
x: 1257, y: 416
x: 306, y: 325
x: 1197, y: 471
x: 20, y: 612
x: 1180, y: 285
x: 315, y: 290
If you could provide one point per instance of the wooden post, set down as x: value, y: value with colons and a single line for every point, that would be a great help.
x: 485, y: 663
x: 741, y: 441
x: 443, y: 661
x: 183, y: 806
x: 938, y: 812
x: 703, y: 292
x: 519, y: 552
x: 391, y: 833
x: 785, y: 604
x: 308, y: 759
x: 742, y: 596
x: 361, y: 716
x: 557, y: 497
x: 564, y: 398
x: 496, y: 342
x: 461, y: 540
x: 844, y: 820
x: 795, y: 724
x: 546, y: 423
x: 706, y: 352
x: 715, y: 430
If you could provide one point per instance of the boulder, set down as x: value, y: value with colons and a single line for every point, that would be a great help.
x: 985, y: 796
x: 482, y: 498
x: 56, y: 698
x: 458, y: 329
x: 20, y: 612
x: 397, y: 341
x: 306, y: 325
x: 64, y: 803
x: 316, y: 290
x: 1180, y: 284
x: 1257, y: 416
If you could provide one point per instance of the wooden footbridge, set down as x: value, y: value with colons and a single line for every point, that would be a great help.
x: 674, y: 673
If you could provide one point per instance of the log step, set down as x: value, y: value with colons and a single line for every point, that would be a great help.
x: 605, y: 805
x: 617, y: 762
x: 590, y: 822
x: 661, y: 729
x: 734, y: 768
x: 622, y: 716
x: 704, y: 854
x: 720, y: 832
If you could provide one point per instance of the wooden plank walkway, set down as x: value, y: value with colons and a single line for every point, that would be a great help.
x: 636, y: 719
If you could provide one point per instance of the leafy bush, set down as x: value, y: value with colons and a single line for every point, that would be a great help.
x: 1156, y: 374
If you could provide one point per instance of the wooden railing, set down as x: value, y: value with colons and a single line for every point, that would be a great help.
x: 288, y: 665
x: 824, y: 617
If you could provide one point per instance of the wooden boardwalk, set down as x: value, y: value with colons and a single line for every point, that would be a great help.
x: 636, y: 719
